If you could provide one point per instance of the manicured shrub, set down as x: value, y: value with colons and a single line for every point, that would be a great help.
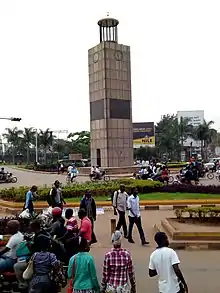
x: 201, y: 214
x: 78, y: 190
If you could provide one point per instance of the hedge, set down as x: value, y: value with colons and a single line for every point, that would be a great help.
x: 78, y: 190
x: 53, y: 167
x: 107, y: 188
x: 203, y: 214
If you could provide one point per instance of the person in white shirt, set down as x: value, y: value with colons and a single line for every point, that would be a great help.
x: 8, y: 253
x: 135, y: 216
x: 164, y: 263
x: 69, y: 169
x: 119, y: 203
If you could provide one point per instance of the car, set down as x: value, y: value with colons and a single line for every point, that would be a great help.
x: 211, y: 163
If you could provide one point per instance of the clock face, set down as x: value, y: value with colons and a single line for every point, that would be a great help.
x: 96, y: 57
x: 118, y: 55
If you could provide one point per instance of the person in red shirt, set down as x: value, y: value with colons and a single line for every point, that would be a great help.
x: 86, y: 226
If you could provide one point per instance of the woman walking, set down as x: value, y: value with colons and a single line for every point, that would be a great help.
x: 43, y: 263
x: 82, y: 271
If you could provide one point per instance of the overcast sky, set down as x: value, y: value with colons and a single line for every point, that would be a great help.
x: 175, y: 55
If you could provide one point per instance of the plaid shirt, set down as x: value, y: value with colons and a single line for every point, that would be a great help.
x: 118, y: 268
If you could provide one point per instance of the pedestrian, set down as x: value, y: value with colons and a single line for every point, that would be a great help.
x: 43, y: 263
x: 86, y: 226
x: 134, y: 216
x: 55, y: 198
x: 164, y: 263
x: 30, y: 197
x: 119, y: 203
x: 82, y: 271
x: 118, y: 268
x: 88, y: 203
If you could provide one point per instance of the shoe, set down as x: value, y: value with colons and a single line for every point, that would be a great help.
x: 126, y: 237
x: 145, y: 242
x: 94, y: 241
x: 131, y: 241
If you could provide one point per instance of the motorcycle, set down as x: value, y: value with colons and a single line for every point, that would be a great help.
x: 102, y: 177
x: 8, y: 178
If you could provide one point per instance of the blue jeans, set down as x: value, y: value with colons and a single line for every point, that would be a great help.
x: 6, y: 263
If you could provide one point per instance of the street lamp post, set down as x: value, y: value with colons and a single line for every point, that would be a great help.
x: 11, y: 119
x: 36, y: 145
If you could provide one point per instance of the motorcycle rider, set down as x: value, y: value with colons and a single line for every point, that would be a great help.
x: 57, y: 228
x: 8, y: 253
x: 3, y: 174
x: 74, y: 173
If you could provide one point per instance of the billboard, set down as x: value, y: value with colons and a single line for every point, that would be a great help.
x: 143, y: 134
x: 195, y: 119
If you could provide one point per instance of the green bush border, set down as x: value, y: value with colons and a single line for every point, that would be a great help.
x: 78, y: 190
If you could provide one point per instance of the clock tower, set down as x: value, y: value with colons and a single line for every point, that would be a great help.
x: 110, y: 99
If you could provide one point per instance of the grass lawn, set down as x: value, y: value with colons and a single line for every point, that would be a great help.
x: 161, y: 196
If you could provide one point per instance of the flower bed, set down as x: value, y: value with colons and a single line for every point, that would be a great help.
x: 200, y: 214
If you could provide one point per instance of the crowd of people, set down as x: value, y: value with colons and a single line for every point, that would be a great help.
x: 38, y: 261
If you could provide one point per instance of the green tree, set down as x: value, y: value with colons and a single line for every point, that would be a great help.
x: 145, y: 153
x: 46, y: 139
x: 14, y: 138
x: 80, y: 143
x: 28, y: 140
x: 206, y: 135
x: 171, y: 134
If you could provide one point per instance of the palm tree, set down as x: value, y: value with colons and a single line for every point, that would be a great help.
x: 13, y: 137
x: 46, y: 141
x: 28, y: 140
x: 205, y: 134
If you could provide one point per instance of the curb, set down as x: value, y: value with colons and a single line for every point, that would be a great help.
x: 17, y: 208
x: 148, y: 203
x: 81, y: 175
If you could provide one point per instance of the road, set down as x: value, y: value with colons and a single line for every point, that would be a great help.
x: 201, y: 268
x: 27, y: 178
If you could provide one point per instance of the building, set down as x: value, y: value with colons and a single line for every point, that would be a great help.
x: 195, y: 119
x: 110, y: 99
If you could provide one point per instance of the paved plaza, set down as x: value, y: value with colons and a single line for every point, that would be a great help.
x: 201, y: 268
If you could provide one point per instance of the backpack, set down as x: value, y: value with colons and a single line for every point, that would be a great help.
x: 112, y: 196
x: 49, y: 198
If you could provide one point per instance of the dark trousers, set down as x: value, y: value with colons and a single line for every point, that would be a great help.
x: 122, y: 222
x: 93, y: 233
x: 137, y: 222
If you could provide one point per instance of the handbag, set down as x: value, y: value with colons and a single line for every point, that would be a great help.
x: 70, y: 288
x: 28, y: 273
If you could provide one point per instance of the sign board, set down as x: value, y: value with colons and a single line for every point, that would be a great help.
x: 143, y: 134
x: 75, y: 157
x: 195, y: 118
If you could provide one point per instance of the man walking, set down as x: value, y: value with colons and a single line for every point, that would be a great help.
x: 119, y: 203
x: 135, y: 216
x: 89, y: 205
x: 164, y: 263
